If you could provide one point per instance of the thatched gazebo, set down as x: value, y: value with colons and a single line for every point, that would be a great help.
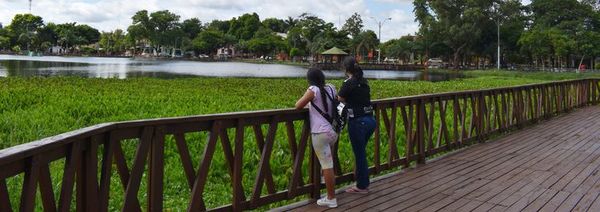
x: 333, y: 55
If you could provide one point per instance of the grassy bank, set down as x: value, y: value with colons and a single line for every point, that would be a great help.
x: 34, y: 108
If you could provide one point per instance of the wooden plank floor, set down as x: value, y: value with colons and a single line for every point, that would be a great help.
x: 552, y: 166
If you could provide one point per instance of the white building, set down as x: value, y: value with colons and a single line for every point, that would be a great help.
x: 57, y: 50
x: 226, y: 52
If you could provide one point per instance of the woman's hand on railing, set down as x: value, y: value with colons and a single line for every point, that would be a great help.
x: 305, y: 99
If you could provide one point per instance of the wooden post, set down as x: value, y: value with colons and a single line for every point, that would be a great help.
x: 392, y: 145
x: 87, y: 178
x: 456, y: 117
x: 377, y: 141
x: 481, y: 117
x: 238, y: 191
x: 30, y: 182
x: 156, y: 178
x: 4, y: 197
x: 420, y: 131
x: 595, y: 91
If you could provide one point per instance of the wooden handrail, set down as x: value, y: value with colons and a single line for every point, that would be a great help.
x: 425, y: 124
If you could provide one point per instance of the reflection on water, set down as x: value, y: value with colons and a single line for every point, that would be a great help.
x: 95, y: 67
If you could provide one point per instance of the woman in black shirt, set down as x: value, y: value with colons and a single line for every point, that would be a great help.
x: 356, y: 94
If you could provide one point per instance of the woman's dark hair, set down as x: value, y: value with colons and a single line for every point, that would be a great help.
x: 316, y: 77
x: 351, y: 66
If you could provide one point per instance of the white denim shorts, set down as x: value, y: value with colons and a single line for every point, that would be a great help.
x: 323, y: 144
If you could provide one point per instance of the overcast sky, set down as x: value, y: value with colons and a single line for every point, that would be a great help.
x: 107, y: 15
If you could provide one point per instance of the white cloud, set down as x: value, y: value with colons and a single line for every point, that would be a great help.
x: 108, y: 15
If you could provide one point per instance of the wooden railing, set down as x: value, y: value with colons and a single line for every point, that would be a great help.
x: 423, y: 126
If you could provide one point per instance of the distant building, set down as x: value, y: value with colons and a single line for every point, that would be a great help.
x: 226, y: 52
x: 58, y: 50
x: 282, y: 56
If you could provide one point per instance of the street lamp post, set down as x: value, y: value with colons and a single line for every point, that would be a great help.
x: 380, y: 23
x: 497, y: 10
x: 498, y: 23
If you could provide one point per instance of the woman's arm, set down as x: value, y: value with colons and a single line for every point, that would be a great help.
x: 305, y: 99
x: 341, y: 99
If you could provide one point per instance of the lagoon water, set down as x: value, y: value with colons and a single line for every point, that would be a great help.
x: 100, y: 67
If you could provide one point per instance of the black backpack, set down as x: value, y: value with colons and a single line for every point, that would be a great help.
x: 339, y: 112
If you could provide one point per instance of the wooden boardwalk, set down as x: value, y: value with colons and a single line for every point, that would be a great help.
x: 552, y: 166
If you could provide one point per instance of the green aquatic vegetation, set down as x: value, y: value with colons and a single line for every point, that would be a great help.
x: 34, y: 108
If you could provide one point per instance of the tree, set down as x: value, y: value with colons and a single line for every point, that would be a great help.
x: 587, y: 33
x: 47, y: 36
x: 289, y: 23
x: 329, y: 38
x: 587, y: 44
x: 457, y: 23
x: 557, y: 13
x: 208, y: 41
x: 88, y: 34
x: 308, y: 27
x: 295, y: 52
x: 70, y: 35
x: 561, y: 44
x: 244, y: 27
x: 114, y: 41
x: 364, y: 42
x: 425, y: 19
x: 166, y: 30
x: 159, y: 29
x: 512, y: 25
x: 191, y: 27
x: 67, y: 36
x: 312, y: 25
x: 219, y: 25
x: 353, y: 25
x: 265, y: 42
x: 295, y: 39
x: 140, y: 29
x: 536, y: 42
x: 274, y: 24
x: 401, y: 48
x: 569, y: 27
x: 4, y: 39
x: 23, y: 29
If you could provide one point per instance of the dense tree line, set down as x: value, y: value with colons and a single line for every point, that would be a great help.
x: 29, y: 32
x: 305, y: 35
x: 546, y: 33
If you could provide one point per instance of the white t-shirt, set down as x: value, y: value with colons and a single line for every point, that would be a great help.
x: 318, y: 123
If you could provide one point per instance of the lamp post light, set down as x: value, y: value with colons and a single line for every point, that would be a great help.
x: 497, y: 11
x: 380, y: 23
